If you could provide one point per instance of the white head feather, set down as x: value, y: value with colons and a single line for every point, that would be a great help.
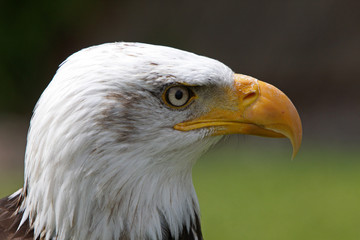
x: 102, y: 156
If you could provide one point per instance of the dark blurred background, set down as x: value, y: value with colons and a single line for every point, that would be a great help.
x: 308, y: 48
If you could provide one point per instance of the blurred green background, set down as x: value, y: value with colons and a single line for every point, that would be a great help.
x: 248, y: 187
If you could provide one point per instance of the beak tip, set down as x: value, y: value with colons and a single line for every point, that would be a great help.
x: 294, y: 153
x: 296, y: 143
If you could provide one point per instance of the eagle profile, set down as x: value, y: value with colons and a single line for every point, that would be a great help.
x: 115, y: 135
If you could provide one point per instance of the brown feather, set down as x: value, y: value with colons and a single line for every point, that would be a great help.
x: 193, y: 233
x: 10, y: 218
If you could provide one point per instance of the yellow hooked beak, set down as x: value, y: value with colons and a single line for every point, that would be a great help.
x: 252, y: 107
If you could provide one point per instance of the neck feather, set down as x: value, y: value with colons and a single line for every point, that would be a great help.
x: 148, y: 202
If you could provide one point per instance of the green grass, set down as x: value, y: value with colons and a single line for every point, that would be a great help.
x: 254, y: 195
x: 249, y: 194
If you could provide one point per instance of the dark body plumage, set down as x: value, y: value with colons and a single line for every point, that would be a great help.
x: 10, y: 219
x: 193, y: 234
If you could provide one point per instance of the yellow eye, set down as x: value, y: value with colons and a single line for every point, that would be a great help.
x: 178, y: 96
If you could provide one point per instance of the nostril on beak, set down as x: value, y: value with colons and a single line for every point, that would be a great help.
x: 249, y: 96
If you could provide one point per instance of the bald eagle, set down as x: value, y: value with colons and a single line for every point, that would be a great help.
x: 115, y: 135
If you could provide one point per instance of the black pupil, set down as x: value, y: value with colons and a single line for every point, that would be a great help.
x: 179, y: 94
